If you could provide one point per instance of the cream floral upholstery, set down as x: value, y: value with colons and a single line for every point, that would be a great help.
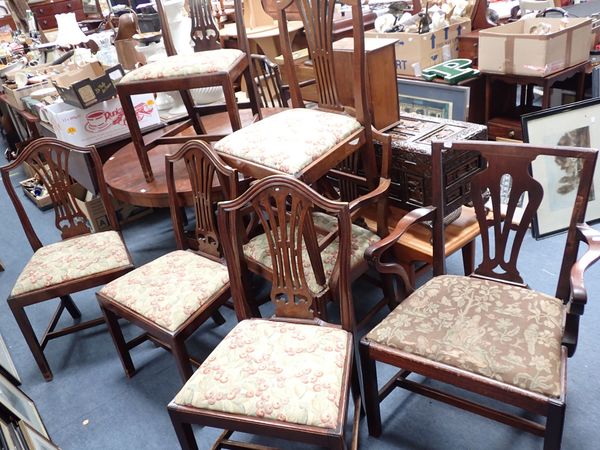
x: 275, y: 370
x: 503, y: 332
x: 184, y: 65
x: 72, y: 259
x: 169, y: 289
x: 289, y: 141
x: 258, y: 249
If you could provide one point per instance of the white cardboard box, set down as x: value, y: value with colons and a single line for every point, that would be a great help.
x: 100, y: 122
x: 512, y: 49
x: 427, y: 49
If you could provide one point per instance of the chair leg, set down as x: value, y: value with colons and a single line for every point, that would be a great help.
x: 136, y: 136
x: 112, y: 320
x: 468, y: 257
x: 218, y: 318
x: 252, y: 92
x: 184, y: 432
x: 31, y: 339
x: 188, y: 101
x: 371, y: 391
x: 232, y: 106
x: 70, y: 306
x: 182, y: 358
x: 554, y: 426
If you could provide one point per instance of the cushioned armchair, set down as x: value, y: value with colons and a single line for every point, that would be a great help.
x: 81, y: 260
x: 489, y: 333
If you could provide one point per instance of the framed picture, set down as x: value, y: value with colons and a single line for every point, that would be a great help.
x: 7, y: 437
x: 7, y: 367
x: 34, y: 440
x: 433, y: 99
x: 575, y: 124
x: 21, y: 406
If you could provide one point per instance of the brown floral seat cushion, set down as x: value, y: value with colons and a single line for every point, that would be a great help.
x: 72, y: 259
x: 504, y: 332
x: 289, y: 141
x: 170, y: 289
x: 257, y: 249
x: 199, y: 63
x: 288, y: 372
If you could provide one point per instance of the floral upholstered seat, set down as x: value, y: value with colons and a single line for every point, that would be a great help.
x: 168, y: 290
x: 499, y: 331
x: 258, y: 249
x: 291, y: 140
x: 283, y: 371
x: 210, y: 61
x: 72, y: 259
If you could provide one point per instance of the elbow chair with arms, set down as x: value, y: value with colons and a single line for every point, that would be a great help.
x: 489, y: 333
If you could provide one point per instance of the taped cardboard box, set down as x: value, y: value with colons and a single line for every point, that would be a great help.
x: 99, y: 123
x: 94, y: 210
x: 427, y: 49
x: 512, y: 49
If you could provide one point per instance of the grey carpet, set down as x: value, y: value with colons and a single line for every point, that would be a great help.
x: 91, y: 405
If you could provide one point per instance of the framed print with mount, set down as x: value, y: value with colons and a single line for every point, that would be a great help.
x: 18, y: 404
x: 577, y: 125
x: 433, y: 99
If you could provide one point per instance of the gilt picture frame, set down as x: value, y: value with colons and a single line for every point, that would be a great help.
x: 578, y: 125
x: 20, y: 405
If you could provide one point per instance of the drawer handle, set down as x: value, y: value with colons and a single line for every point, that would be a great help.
x: 69, y: 5
x: 511, y: 134
x: 41, y: 11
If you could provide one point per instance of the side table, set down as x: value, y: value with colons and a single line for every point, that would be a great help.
x: 504, y: 121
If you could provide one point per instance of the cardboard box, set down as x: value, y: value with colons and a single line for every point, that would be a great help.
x: 511, y: 49
x: 14, y: 96
x: 88, y: 85
x: 94, y: 210
x: 427, y: 49
x: 43, y: 201
x: 99, y: 123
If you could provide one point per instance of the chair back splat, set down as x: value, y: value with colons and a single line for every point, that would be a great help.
x: 284, y: 209
x: 59, y: 166
x: 204, y: 168
x: 317, y: 17
x: 499, y: 256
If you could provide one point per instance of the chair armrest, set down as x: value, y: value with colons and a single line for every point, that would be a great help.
x: 375, y: 195
x: 374, y: 253
x: 591, y: 237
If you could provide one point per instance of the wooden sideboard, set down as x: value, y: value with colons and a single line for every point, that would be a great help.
x: 44, y: 12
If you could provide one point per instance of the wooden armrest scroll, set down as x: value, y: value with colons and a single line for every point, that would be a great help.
x: 370, y: 198
x: 578, y: 293
x: 375, y: 252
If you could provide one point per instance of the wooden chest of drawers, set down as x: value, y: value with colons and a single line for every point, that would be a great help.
x: 44, y: 12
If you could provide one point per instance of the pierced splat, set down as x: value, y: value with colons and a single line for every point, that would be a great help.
x: 204, y: 168
x: 317, y: 16
x: 51, y: 165
x: 500, y: 256
x: 288, y: 226
x: 204, y: 33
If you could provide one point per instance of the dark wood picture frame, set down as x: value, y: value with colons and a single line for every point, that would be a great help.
x: 575, y: 124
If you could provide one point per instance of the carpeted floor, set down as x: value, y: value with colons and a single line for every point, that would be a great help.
x: 91, y: 405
